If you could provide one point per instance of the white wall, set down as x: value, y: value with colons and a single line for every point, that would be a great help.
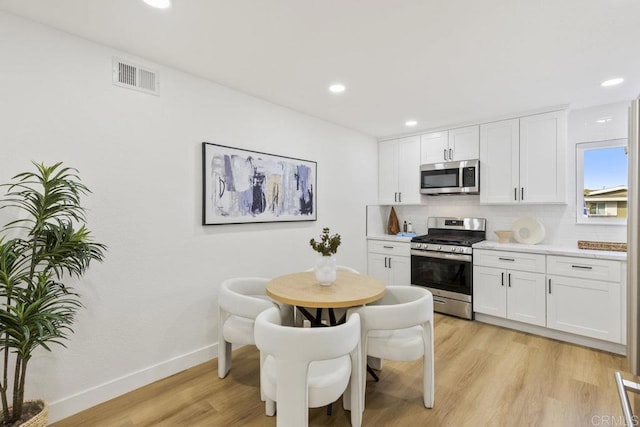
x: 559, y: 220
x: 151, y: 306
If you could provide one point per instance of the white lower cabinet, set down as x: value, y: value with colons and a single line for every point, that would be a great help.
x: 510, y: 293
x: 389, y: 261
x: 585, y: 297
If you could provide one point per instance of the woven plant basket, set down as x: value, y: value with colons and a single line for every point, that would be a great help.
x: 41, y: 418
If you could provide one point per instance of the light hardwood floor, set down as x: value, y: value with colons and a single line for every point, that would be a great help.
x: 485, y: 376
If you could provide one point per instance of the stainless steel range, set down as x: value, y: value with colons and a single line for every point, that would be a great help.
x: 442, y: 262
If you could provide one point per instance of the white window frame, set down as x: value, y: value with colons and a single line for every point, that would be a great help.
x: 580, y: 149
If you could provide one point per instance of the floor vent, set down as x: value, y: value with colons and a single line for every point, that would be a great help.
x: 132, y: 76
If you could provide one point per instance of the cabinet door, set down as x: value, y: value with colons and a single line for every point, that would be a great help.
x: 409, y: 170
x: 387, y: 172
x: 400, y: 271
x: 584, y: 307
x: 464, y: 143
x: 489, y: 291
x: 499, y: 162
x: 377, y: 266
x: 434, y: 146
x: 526, y: 297
x: 542, y: 158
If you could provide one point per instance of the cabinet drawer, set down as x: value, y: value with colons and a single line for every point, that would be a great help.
x: 584, y: 268
x: 388, y: 248
x: 534, y: 263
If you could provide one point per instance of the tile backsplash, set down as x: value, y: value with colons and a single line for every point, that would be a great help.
x: 559, y: 220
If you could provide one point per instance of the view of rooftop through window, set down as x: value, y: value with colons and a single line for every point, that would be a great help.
x: 605, y: 182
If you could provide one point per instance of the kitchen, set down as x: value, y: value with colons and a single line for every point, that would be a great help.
x: 504, y: 207
x: 75, y: 113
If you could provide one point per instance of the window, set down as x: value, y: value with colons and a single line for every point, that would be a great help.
x: 602, y: 182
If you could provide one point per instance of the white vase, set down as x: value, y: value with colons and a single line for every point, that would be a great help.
x: 326, y: 270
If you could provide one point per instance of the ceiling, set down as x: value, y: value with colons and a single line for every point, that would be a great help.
x: 440, y: 62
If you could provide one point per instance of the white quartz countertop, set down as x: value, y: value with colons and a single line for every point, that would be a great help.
x: 551, y: 250
x: 389, y: 238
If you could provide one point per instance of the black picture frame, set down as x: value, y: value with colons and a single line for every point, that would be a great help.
x: 243, y: 186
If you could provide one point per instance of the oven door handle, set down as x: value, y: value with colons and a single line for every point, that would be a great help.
x: 442, y: 255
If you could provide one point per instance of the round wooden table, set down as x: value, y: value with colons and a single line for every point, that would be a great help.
x: 303, y: 290
x: 349, y: 290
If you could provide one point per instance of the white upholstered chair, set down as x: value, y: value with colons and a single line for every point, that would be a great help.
x: 240, y: 300
x: 399, y: 327
x: 308, y: 368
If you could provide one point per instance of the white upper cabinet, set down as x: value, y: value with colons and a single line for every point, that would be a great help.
x: 434, y: 146
x: 542, y: 158
x: 399, y: 171
x: 452, y: 145
x: 523, y: 160
x: 464, y: 143
x: 499, y: 162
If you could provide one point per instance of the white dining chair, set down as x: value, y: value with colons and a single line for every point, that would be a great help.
x: 308, y: 368
x: 399, y: 327
x: 240, y: 300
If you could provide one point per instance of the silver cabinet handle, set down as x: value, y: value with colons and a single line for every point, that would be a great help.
x: 450, y: 154
x: 385, y: 262
x: 395, y: 196
x: 388, y: 247
x: 389, y: 262
x: 583, y: 267
x: 445, y: 154
x: 515, y: 193
x: 521, y: 193
x: 400, y: 197
x: 509, y: 276
x: 502, y: 278
x: 549, y: 286
x: 506, y: 259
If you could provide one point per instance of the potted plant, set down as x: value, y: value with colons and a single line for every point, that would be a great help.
x: 327, y: 247
x: 45, y: 244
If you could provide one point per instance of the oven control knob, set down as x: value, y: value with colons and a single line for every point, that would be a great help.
x: 439, y: 248
x: 453, y: 249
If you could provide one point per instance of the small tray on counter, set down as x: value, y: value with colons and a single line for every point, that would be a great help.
x: 602, y: 246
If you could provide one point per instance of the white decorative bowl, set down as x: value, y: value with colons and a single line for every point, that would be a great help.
x: 529, y: 231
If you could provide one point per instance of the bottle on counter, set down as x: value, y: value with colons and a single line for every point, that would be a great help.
x: 404, y: 227
x: 409, y: 227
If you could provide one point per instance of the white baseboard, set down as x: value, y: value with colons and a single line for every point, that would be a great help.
x: 85, y: 399
x: 611, y: 347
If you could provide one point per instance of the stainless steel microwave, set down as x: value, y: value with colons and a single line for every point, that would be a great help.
x: 450, y: 178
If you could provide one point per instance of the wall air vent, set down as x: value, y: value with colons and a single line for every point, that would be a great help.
x: 132, y: 76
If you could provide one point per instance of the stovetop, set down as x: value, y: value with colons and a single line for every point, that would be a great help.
x: 452, y: 235
x: 448, y: 239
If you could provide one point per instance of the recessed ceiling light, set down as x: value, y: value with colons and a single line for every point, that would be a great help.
x: 612, y: 82
x: 410, y: 123
x: 337, y: 88
x: 158, y: 4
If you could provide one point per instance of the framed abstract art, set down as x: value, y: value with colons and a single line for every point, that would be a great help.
x: 243, y: 186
